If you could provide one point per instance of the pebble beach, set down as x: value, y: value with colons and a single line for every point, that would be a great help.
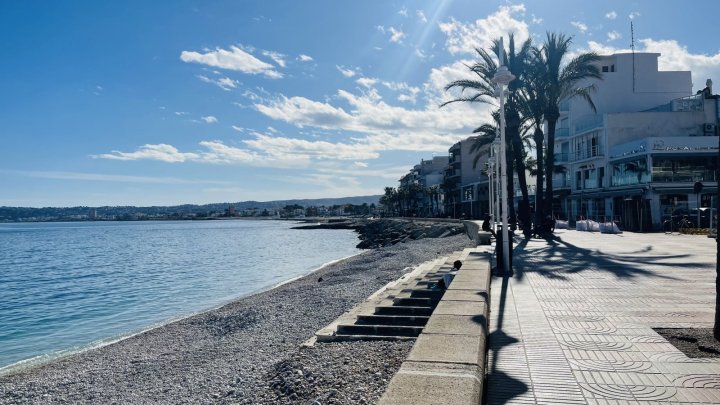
x: 247, y: 352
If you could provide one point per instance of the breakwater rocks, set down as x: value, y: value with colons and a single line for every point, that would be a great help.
x: 376, y: 233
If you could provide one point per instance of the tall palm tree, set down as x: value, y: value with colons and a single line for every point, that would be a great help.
x: 483, y: 90
x: 560, y: 82
x: 533, y: 102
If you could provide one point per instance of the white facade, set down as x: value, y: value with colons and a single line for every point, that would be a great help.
x: 625, y: 162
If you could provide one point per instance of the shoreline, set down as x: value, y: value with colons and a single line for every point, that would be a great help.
x: 48, y: 358
x: 246, y: 351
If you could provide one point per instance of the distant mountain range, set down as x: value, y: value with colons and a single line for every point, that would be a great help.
x: 51, y: 213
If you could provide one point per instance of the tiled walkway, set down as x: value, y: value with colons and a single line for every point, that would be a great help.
x: 574, y: 325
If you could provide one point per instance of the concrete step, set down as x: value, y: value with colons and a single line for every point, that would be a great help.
x: 435, y: 295
x: 391, y: 320
x: 415, y: 302
x: 395, y: 310
x: 379, y: 330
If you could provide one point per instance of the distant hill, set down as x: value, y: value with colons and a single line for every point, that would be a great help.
x: 56, y: 213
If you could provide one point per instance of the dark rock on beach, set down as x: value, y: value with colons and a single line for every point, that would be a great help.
x: 249, y: 351
x: 375, y: 233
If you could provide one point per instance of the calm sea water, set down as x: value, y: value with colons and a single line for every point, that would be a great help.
x: 66, y: 286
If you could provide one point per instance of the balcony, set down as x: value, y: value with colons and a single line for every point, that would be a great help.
x: 588, y: 153
x: 590, y: 183
x: 588, y: 123
x: 452, y: 174
x: 684, y: 176
x: 629, y: 179
x: 560, y: 183
x: 562, y: 132
x: 561, y: 157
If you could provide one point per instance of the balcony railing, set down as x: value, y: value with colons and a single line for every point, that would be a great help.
x: 629, y: 179
x: 587, y: 153
x: 562, y: 132
x: 685, y: 176
x: 590, y: 183
x: 560, y: 183
x: 561, y: 157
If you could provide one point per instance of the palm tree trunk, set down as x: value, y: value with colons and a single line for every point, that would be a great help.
x: 524, y: 206
x: 540, y: 186
x: 716, y: 327
x: 550, y: 163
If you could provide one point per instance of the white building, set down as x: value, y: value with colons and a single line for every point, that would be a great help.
x: 637, y: 157
x: 426, y: 174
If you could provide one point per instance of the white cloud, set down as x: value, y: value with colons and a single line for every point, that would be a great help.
x: 304, y: 58
x: 366, y: 82
x: 582, y: 27
x: 322, y: 150
x: 421, y: 16
x: 117, y: 178
x: 536, y: 20
x: 634, y: 14
x: 224, y: 83
x: 161, y: 152
x: 239, y: 129
x: 233, y: 59
x: 613, y: 35
x: 347, y: 72
x: 181, y: 113
x: 422, y: 55
x: 209, y: 119
x: 396, y: 35
x: 360, y: 164
x: 403, y: 12
x: 276, y: 56
x: 611, y: 15
x: 465, y: 37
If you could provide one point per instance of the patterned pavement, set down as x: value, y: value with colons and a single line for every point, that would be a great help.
x: 574, y: 325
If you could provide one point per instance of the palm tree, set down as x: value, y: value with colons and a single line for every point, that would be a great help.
x: 483, y: 90
x: 560, y: 83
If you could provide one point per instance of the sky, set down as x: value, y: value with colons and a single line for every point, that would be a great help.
x: 193, y: 102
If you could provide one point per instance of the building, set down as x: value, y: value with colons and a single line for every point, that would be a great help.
x: 419, y: 181
x: 466, y: 186
x: 636, y: 159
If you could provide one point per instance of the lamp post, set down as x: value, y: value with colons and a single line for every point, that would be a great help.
x: 501, y: 79
x: 496, y: 179
x: 491, y: 189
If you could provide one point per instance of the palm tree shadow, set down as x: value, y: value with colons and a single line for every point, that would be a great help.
x: 558, y: 259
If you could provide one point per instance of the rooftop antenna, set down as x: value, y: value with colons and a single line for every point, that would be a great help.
x: 632, y: 46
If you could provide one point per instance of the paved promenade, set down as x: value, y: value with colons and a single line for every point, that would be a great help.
x: 574, y: 325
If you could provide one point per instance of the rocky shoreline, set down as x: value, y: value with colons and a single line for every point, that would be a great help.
x: 249, y: 351
x: 381, y: 232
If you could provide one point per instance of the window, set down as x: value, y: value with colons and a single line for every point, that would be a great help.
x: 612, y: 68
x: 605, y: 69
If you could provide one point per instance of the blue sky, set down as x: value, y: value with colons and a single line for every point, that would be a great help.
x: 171, y: 102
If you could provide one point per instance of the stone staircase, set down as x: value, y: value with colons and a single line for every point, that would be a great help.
x: 398, y: 311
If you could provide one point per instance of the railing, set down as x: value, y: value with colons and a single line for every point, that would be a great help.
x: 588, y: 123
x: 560, y: 183
x: 562, y: 132
x: 452, y: 173
x: 685, y: 176
x: 587, y: 153
x: 629, y: 179
x: 590, y: 183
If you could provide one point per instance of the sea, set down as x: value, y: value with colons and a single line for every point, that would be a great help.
x: 67, y: 287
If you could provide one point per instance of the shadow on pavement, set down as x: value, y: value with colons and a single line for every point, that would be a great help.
x: 560, y: 257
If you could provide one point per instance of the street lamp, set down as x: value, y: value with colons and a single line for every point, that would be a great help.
x: 501, y: 79
x: 496, y: 178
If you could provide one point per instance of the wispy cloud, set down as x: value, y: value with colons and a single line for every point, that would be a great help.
x: 396, y: 35
x: 224, y: 83
x: 347, y: 72
x: 613, y: 35
x: 209, y: 119
x: 634, y: 14
x: 276, y: 56
x: 78, y: 176
x: 403, y: 12
x: 304, y: 58
x: 234, y: 59
x: 582, y: 27
x: 535, y: 20
x: 611, y: 15
x: 421, y: 16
